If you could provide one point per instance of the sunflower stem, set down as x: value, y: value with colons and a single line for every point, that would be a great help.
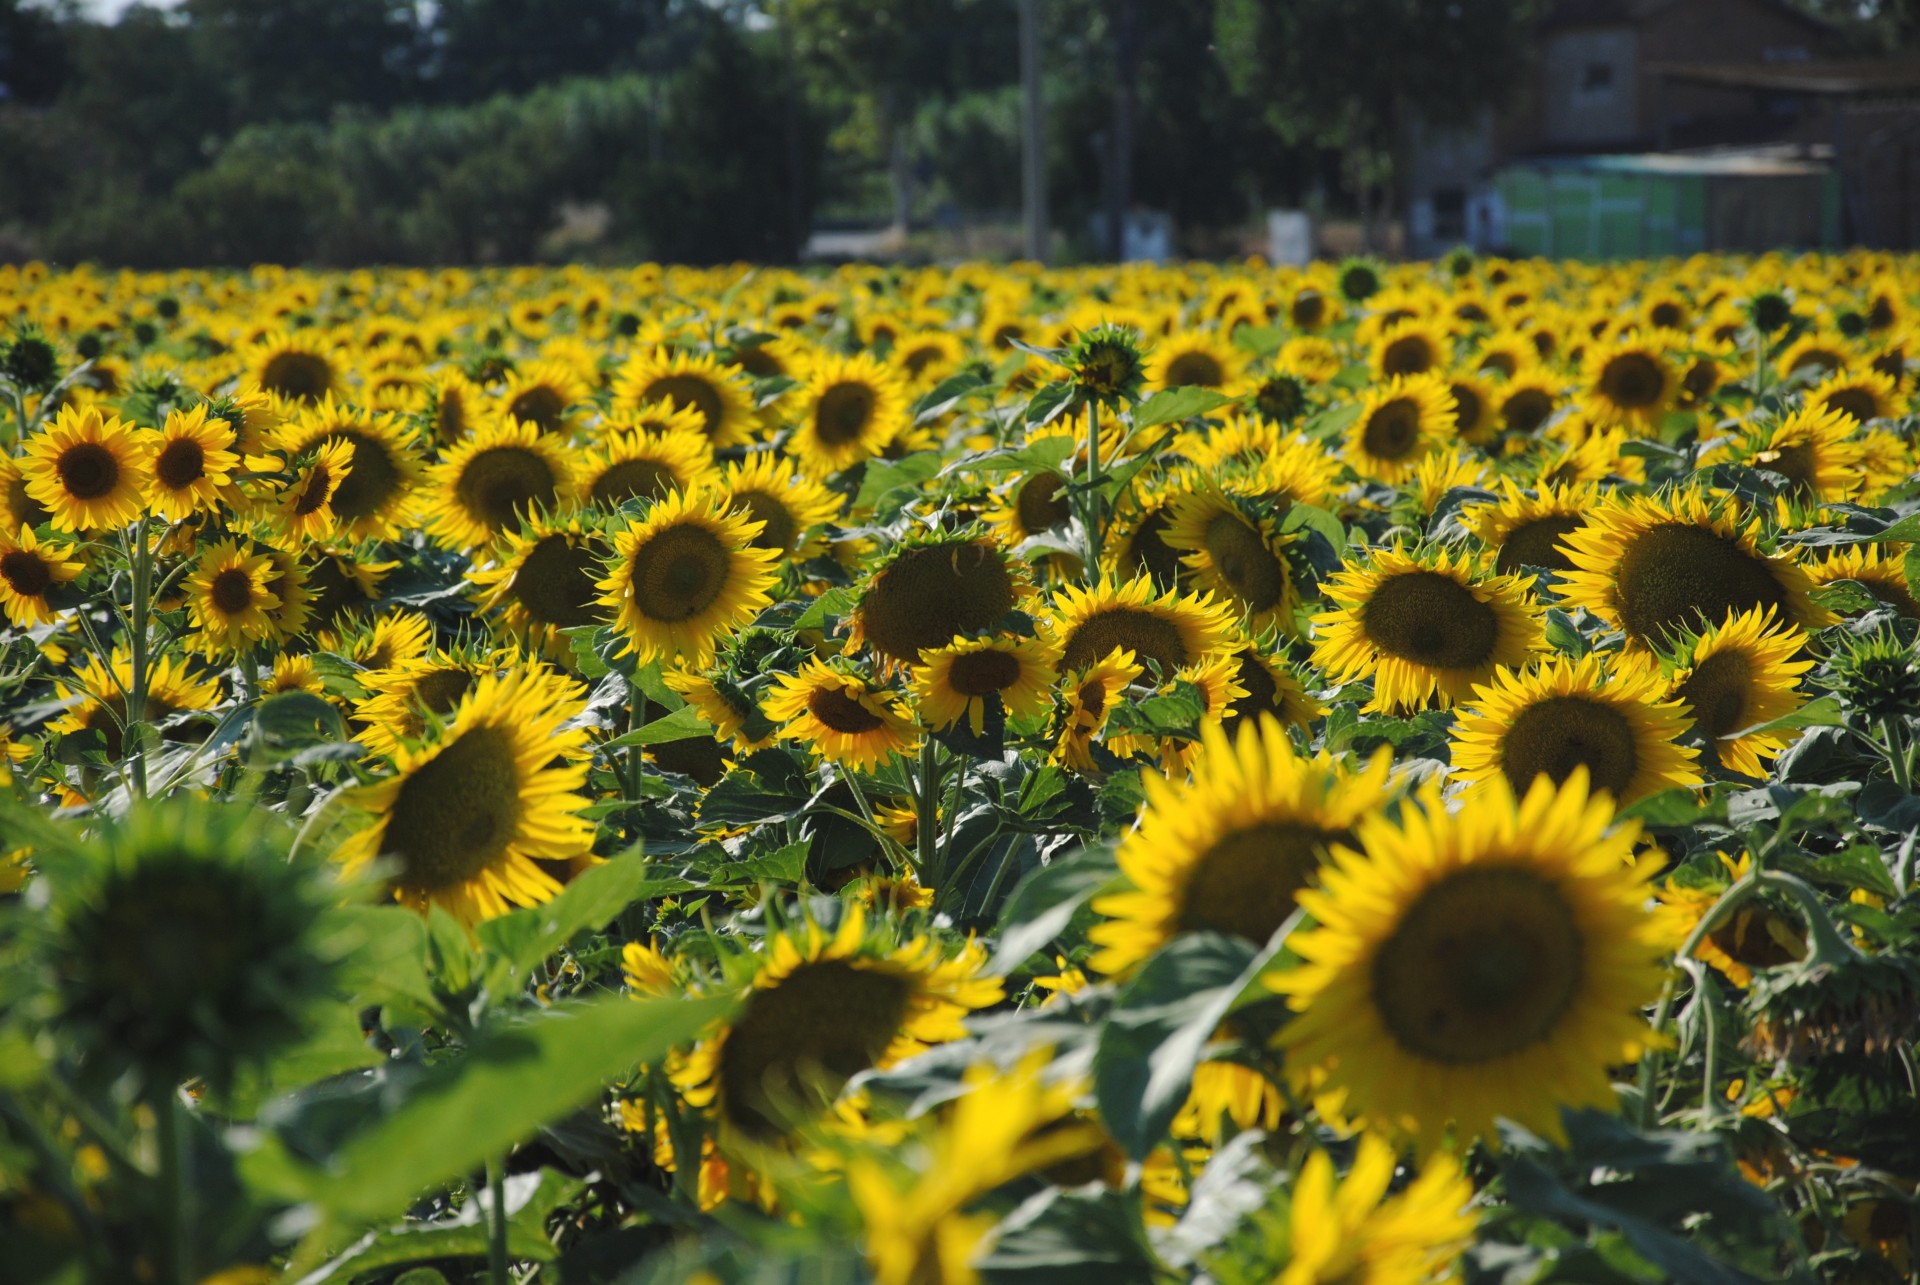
x: 173, y: 1189
x: 1710, y: 1018
x: 1827, y: 943
x: 140, y: 560
x: 1738, y: 891
x: 926, y: 830
x: 1092, y: 517
x: 1897, y: 755
x: 497, y: 1269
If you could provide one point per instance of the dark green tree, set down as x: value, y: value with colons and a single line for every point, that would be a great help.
x: 300, y: 59
x: 486, y: 47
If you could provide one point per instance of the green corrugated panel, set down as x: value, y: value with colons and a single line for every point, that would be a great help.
x: 1524, y: 193
x: 1663, y: 210
x: 1690, y: 219
x: 1573, y: 216
x: 1620, y: 216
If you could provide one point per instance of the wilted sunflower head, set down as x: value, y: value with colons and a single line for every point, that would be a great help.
x: 1106, y: 364
x: 1834, y: 1004
x: 932, y: 589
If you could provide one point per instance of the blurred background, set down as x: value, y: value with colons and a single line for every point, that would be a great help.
x: 341, y: 132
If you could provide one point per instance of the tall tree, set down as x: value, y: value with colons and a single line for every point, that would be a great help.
x: 486, y: 47
x: 298, y: 59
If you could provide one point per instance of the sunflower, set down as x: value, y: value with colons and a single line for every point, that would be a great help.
x: 930, y: 590
x: 454, y: 407
x: 543, y: 395
x: 370, y: 500
x: 193, y: 464
x: 849, y: 409
x: 1879, y: 572
x: 790, y: 506
x: 719, y: 393
x: 927, y: 356
x: 304, y: 510
x: 293, y: 674
x: 228, y: 598
x: 388, y: 640
x: 1739, y: 675
x: 1136, y: 547
x: 846, y: 718
x: 1475, y: 415
x: 1487, y: 962
x: 725, y: 707
x: 90, y: 472
x: 1755, y: 935
x: 1620, y: 728
x: 1399, y: 422
x: 1356, y: 1234
x: 545, y: 580
x: 17, y: 507
x: 1863, y: 395
x: 287, y: 582
x: 1270, y: 687
x: 1088, y: 697
x: 490, y: 483
x: 1651, y: 565
x: 1194, y: 358
x: 1815, y: 355
x: 1410, y: 347
x: 403, y: 699
x: 1814, y: 449
x: 1629, y: 383
x: 30, y: 569
x: 1423, y: 628
x: 296, y: 365
x: 1525, y: 530
x: 683, y: 576
x: 643, y: 465
x: 1528, y: 398
x: 1229, y: 850
x: 821, y: 1008
x: 1235, y: 555
x: 96, y: 696
x: 955, y: 681
x: 467, y: 815
x: 1033, y: 504
x: 1170, y: 629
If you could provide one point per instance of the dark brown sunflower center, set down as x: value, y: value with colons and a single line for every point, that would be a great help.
x: 778, y: 528
x: 372, y: 481
x: 841, y: 712
x: 1482, y: 965
x: 1666, y: 315
x: 22, y: 509
x: 180, y: 464
x: 1500, y: 363
x: 1467, y: 407
x: 1281, y: 399
x: 930, y: 594
x: 1307, y: 310
x: 1149, y: 552
x: 1147, y: 636
x: 538, y: 405
x: 302, y: 376
x: 1856, y: 402
x: 439, y: 690
x: 1245, y: 563
x: 626, y: 479
x: 1040, y: 505
x: 1537, y: 544
x: 843, y: 414
x: 982, y: 673
x: 1407, y: 355
x: 88, y: 470
x: 25, y: 573
x: 679, y: 572
x: 1526, y: 410
x: 758, y: 362
x: 1430, y: 619
x: 1200, y: 369
x: 456, y: 814
x: 1678, y: 575
x: 798, y: 1041
x: 450, y: 416
x: 1718, y: 691
x: 690, y: 390
x: 1245, y: 884
x: 231, y: 591
x: 1795, y: 462
x: 1760, y: 937
x: 1560, y: 733
x: 1092, y: 697
x: 1823, y: 360
x: 1702, y: 377
x: 1633, y: 381
x: 1263, y: 694
x: 313, y: 495
x: 500, y: 486
x: 1393, y: 429
x: 554, y: 583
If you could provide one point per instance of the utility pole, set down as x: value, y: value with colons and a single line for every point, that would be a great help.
x: 1033, y: 134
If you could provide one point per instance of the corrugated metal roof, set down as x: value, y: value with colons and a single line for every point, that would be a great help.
x: 1852, y: 78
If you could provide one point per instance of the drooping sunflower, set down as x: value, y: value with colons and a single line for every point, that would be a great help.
x: 820, y: 1008
x: 97, y: 694
x: 1229, y: 850
x: 847, y: 718
x: 193, y: 464
x: 848, y: 409
x: 685, y: 575
x: 1035, y: 503
x: 1399, y: 422
x: 468, y: 814
x: 1736, y: 676
x: 30, y: 569
x: 371, y: 499
x: 293, y: 673
x: 1235, y: 555
x: 1355, y: 1234
x: 1194, y: 358
x: 1524, y: 529
x: 1619, y: 727
x: 1629, y: 383
x: 1814, y: 448
x: 1489, y: 962
x: 1883, y: 575
x: 1863, y: 395
x: 642, y: 465
x: 955, y: 681
x: 546, y: 580
x: 1652, y: 565
x: 1423, y: 627
x: 228, y: 597
x: 17, y: 507
x: 1756, y: 935
x: 719, y: 393
x: 1169, y: 629
x: 1138, y: 547
x: 91, y: 472
x: 493, y: 481
x: 930, y: 590
x: 297, y: 365
x: 1088, y: 697
x: 304, y: 510
x: 788, y: 504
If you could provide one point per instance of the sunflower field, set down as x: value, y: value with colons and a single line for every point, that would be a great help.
x: 1362, y: 774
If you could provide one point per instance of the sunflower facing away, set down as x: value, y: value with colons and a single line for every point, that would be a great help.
x: 849, y: 409
x: 90, y: 472
x: 1481, y: 963
x: 467, y: 814
x: 821, y: 1008
x: 1653, y: 566
x: 1399, y: 422
x: 491, y: 482
x: 1423, y: 628
x: 1230, y: 850
x: 1571, y: 714
x: 228, y: 597
x: 684, y: 576
x: 1739, y: 675
x: 956, y: 681
x: 30, y: 569
x: 843, y: 716
x: 1170, y: 629
x: 193, y: 463
x: 719, y: 393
